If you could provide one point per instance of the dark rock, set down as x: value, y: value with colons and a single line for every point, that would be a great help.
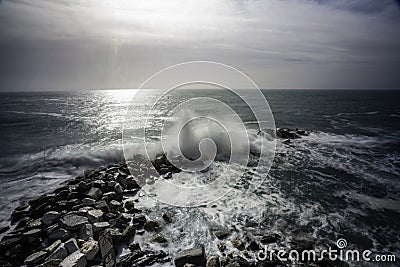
x: 158, y: 238
x: 151, y: 226
x: 102, y: 205
x: 253, y: 246
x: 72, y: 221
x: 270, y: 238
x: 237, y: 243
x: 129, y: 204
x: 4, y: 229
x: 99, y: 227
x: 86, y: 232
x: 53, y: 246
x: 221, y: 247
x: 59, y: 253
x: 18, y: 215
x: 221, y: 234
x: 167, y: 217
x: 50, y: 217
x: 71, y: 245
x: 213, y: 261
x: 128, y: 233
x: 142, y: 258
x: 194, y: 256
x: 88, y: 202
x: 32, y: 235
x: 94, y: 215
x: 35, y: 258
x: 94, y: 193
x: 90, y: 249
x: 59, y: 234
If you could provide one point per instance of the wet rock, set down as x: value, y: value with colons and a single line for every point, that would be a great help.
x: 76, y: 259
x: 270, y: 238
x: 90, y: 249
x: 88, y: 202
x: 142, y: 258
x: 71, y: 245
x: 59, y: 253
x: 221, y: 247
x: 221, y: 234
x: 151, y: 226
x: 4, y: 229
x: 86, y: 232
x: 35, y: 258
x: 213, y: 261
x: 118, y: 188
x: 129, y: 204
x: 253, y: 246
x: 115, y: 205
x: 194, y: 256
x: 53, y: 246
x: 94, y: 193
x: 102, y: 205
x: 100, y: 226
x: 72, y: 221
x: 158, y: 238
x: 138, y: 220
x: 50, y: 217
x: 32, y: 235
x: 167, y: 217
x: 51, y: 263
x: 83, y: 211
x: 18, y: 215
x: 94, y: 215
x: 237, y: 243
x: 59, y: 234
x: 128, y: 233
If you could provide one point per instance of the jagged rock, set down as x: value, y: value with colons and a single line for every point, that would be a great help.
x: 37, y: 223
x: 213, y: 261
x: 128, y: 233
x: 102, y: 205
x: 221, y: 234
x: 118, y: 188
x: 86, y: 232
x: 50, y: 217
x: 32, y: 235
x: 221, y: 247
x: 53, y: 246
x: 90, y: 249
x: 167, y: 217
x: 194, y: 256
x: 76, y: 259
x: 94, y: 215
x: 51, y: 263
x: 84, y: 210
x: 4, y: 229
x: 71, y: 245
x: 142, y: 258
x: 94, y: 193
x: 72, y: 221
x: 59, y: 253
x: 253, y: 246
x: 151, y: 226
x: 98, y: 227
x: 129, y: 204
x: 88, y: 202
x: 138, y: 219
x: 59, y: 234
x: 35, y: 258
x: 115, y: 204
x: 270, y: 238
x: 158, y: 238
x: 237, y: 243
x: 18, y: 215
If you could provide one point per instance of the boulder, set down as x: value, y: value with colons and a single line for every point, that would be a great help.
x: 35, y: 258
x: 50, y: 217
x: 98, y: 227
x: 151, y: 226
x: 86, y: 232
x: 270, y: 238
x: 94, y: 215
x: 237, y: 243
x: 59, y: 253
x: 71, y: 245
x: 53, y: 246
x: 213, y: 261
x: 76, y: 259
x: 167, y: 217
x: 88, y: 202
x: 158, y: 238
x: 59, y: 234
x: 194, y: 256
x: 94, y: 193
x: 221, y: 234
x: 72, y: 221
x: 90, y: 249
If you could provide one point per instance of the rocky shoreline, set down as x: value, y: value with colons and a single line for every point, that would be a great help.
x: 63, y: 228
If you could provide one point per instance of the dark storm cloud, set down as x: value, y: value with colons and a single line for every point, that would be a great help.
x: 55, y: 45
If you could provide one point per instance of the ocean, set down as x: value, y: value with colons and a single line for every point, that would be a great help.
x: 340, y: 181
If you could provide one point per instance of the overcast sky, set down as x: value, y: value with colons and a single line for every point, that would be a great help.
x: 75, y: 44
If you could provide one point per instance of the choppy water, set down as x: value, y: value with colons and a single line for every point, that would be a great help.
x: 340, y: 181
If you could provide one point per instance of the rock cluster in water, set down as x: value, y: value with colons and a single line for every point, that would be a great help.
x: 63, y: 228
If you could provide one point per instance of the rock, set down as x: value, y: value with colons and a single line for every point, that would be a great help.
x: 138, y: 219
x: 94, y: 193
x: 167, y: 217
x: 233, y: 264
x: 118, y: 188
x: 221, y: 234
x: 115, y: 204
x: 32, y: 235
x: 221, y: 247
x: 237, y: 243
x: 59, y: 234
x: 128, y: 233
x: 76, y: 259
x: 83, y: 211
x: 194, y: 256
x: 98, y: 227
x: 51, y: 263
x: 86, y: 232
x: 213, y: 261
x: 129, y: 204
x: 72, y: 221
x: 253, y: 246
x: 34, y: 224
x: 59, y: 253
x: 35, y: 258
x: 102, y: 205
x: 158, y: 238
x: 50, y: 217
x: 4, y: 229
x: 143, y: 258
x: 88, y: 202
x: 94, y: 215
x: 90, y: 249
x: 71, y: 245
x: 270, y: 238
x: 151, y: 226
x: 53, y: 246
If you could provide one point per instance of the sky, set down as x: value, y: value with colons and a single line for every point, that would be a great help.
x: 109, y: 44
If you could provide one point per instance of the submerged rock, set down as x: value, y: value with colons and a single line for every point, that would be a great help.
x: 194, y: 256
